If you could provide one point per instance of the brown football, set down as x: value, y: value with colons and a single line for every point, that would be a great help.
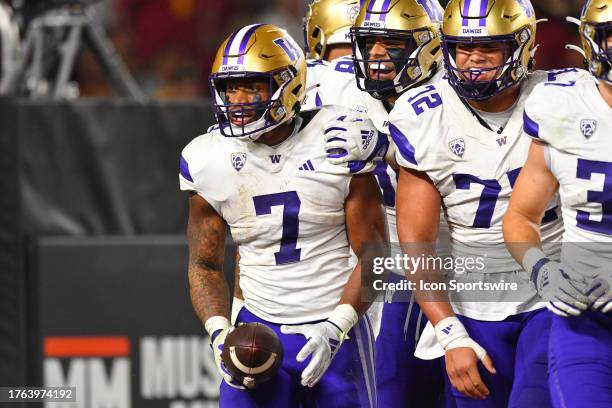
x: 252, y: 353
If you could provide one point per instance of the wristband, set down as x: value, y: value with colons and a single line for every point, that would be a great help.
x: 344, y: 317
x: 216, y: 323
x: 448, y: 330
x: 533, y: 260
x: 451, y: 334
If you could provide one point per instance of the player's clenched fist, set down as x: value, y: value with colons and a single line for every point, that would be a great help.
x: 354, y: 142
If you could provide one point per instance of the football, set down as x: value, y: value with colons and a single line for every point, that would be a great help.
x: 252, y: 353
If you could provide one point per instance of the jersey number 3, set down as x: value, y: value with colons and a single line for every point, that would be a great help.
x: 585, y: 170
x: 288, y: 252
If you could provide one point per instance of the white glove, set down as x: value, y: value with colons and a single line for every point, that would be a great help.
x: 324, y: 340
x: 354, y: 142
x: 600, y: 290
x: 559, y: 285
x: 451, y: 334
x: 219, y: 327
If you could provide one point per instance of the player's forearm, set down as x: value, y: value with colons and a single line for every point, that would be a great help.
x: 208, y: 290
x: 352, y: 292
x: 237, y: 290
x: 434, y: 303
x: 520, y: 233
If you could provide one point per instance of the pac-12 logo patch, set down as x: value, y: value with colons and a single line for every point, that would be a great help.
x: 238, y: 160
x: 588, y: 127
x: 457, y: 146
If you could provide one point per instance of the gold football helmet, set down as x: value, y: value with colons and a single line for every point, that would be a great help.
x: 259, y: 52
x: 510, y: 22
x: 327, y: 22
x: 596, y: 36
x: 412, y: 26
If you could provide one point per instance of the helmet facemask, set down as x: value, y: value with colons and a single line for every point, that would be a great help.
x: 467, y: 82
x: 262, y: 115
x: 599, y: 39
x: 403, y: 59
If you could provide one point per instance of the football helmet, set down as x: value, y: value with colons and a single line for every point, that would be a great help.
x: 259, y: 52
x: 327, y: 22
x: 509, y: 22
x: 596, y: 36
x: 411, y: 24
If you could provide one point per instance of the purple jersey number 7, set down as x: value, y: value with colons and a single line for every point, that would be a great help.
x: 288, y: 252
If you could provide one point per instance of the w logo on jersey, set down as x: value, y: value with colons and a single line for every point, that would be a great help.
x: 366, y: 138
x: 275, y: 158
x: 588, y: 127
x: 502, y: 141
x: 238, y: 160
x: 457, y: 146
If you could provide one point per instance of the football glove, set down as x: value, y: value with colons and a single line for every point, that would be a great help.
x: 562, y: 288
x: 324, y: 341
x: 219, y: 327
x: 451, y: 334
x: 600, y: 290
x: 354, y: 142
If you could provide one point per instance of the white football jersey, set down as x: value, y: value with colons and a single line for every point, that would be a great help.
x: 315, y: 70
x: 575, y: 122
x: 339, y: 87
x: 474, y: 169
x: 285, y: 209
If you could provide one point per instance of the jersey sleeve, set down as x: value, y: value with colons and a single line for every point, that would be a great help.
x: 340, y: 74
x: 411, y: 126
x: 544, y: 111
x: 195, y: 169
x: 316, y: 70
x: 549, y: 104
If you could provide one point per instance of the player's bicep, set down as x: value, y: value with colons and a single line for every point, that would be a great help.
x: 418, y: 207
x: 365, y: 216
x: 535, y: 186
x: 205, y: 235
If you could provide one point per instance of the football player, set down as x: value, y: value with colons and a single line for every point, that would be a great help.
x: 459, y: 143
x: 326, y: 37
x: 571, y: 152
x: 263, y: 173
x: 395, y: 47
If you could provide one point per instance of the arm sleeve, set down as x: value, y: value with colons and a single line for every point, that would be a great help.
x: 194, y: 166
